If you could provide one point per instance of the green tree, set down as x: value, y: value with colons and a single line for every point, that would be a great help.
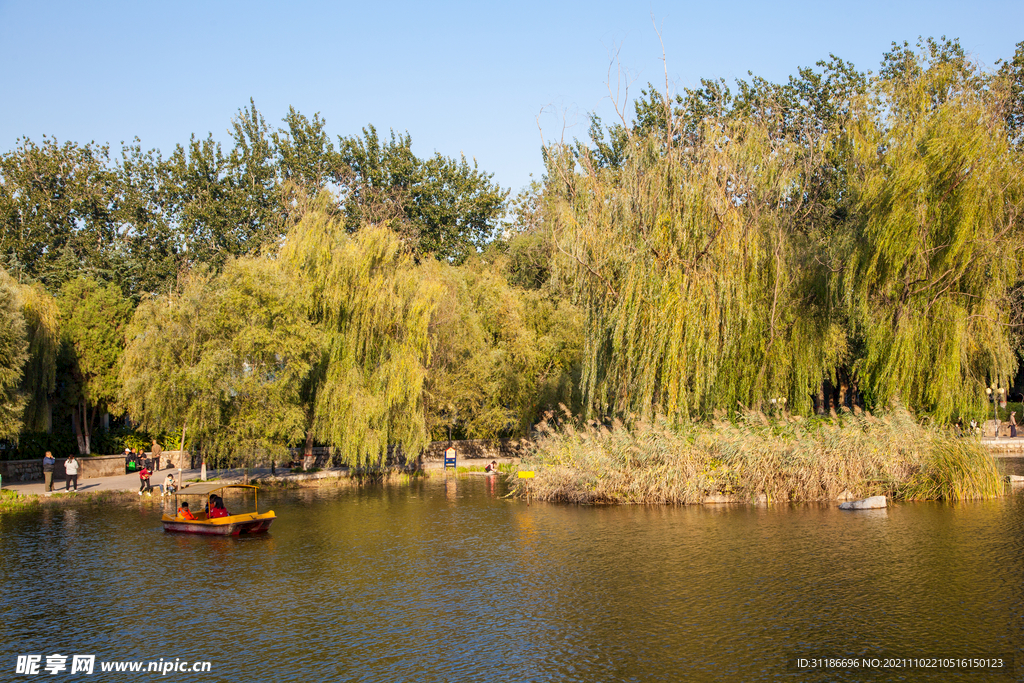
x: 305, y: 153
x: 935, y: 256
x: 149, y: 249
x: 374, y: 308
x: 223, y: 359
x: 94, y: 318
x: 501, y: 355
x: 56, y: 211
x: 226, y: 205
x: 439, y: 205
x: 699, y: 292
x: 42, y: 324
x: 13, y: 356
x: 1012, y: 73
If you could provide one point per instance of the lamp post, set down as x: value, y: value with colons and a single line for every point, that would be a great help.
x: 993, y: 395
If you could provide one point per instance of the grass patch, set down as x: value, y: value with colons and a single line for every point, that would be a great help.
x: 789, y: 459
x: 11, y: 501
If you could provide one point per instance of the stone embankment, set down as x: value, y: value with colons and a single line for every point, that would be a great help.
x: 1005, y: 446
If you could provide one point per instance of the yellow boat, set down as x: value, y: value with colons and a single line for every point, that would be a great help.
x: 253, y: 522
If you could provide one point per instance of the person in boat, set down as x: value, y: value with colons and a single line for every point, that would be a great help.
x: 184, y: 512
x: 146, y: 486
x: 217, y: 508
x: 492, y: 468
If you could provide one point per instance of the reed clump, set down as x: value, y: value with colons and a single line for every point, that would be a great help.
x: 756, y: 458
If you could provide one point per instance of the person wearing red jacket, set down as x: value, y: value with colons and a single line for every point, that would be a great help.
x: 217, y: 509
x: 144, y: 478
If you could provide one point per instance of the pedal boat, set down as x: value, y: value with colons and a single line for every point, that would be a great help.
x: 254, y: 522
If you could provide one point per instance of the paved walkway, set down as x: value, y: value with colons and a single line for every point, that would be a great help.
x: 120, y: 482
x: 130, y: 482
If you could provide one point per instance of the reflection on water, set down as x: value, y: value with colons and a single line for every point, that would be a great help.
x: 445, y: 580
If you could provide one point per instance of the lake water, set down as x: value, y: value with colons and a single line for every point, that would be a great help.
x: 445, y: 580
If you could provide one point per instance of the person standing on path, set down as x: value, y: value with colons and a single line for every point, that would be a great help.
x: 71, y: 471
x: 1013, y: 425
x: 48, y: 463
x: 157, y: 450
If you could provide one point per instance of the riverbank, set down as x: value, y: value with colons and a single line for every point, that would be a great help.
x: 789, y: 459
x: 24, y: 495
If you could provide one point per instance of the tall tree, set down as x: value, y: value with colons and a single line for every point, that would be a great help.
x: 223, y: 359
x: 13, y: 356
x: 699, y: 291
x: 94, y: 319
x: 42, y: 324
x: 56, y: 211
x: 1012, y: 73
x: 374, y: 310
x: 935, y: 256
x: 440, y: 206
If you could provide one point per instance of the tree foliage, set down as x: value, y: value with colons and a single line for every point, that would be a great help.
x: 374, y: 310
x: 42, y: 325
x: 13, y: 356
x: 935, y: 250
x: 223, y: 358
x: 502, y: 355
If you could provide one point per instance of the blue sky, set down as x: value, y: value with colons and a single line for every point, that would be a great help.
x: 459, y: 76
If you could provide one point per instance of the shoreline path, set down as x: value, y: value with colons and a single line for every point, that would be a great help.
x: 130, y: 482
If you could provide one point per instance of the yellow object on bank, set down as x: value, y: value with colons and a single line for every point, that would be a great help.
x: 526, y: 474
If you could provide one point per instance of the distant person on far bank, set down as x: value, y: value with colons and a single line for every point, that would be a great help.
x: 492, y: 468
x: 1013, y: 425
x: 157, y: 452
x: 71, y: 473
x: 48, y: 463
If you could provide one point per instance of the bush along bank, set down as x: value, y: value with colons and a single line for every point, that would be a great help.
x: 788, y: 459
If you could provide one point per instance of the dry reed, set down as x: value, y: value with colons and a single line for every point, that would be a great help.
x: 778, y: 460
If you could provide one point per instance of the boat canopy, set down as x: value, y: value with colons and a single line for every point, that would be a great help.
x: 208, y: 488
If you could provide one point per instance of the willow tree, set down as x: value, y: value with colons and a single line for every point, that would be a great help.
x: 163, y: 383
x: 936, y: 253
x: 13, y: 355
x: 373, y: 306
x: 42, y: 324
x: 700, y: 294
x: 501, y: 355
x: 223, y: 359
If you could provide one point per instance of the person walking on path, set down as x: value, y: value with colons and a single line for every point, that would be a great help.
x: 1013, y: 425
x: 157, y: 451
x: 71, y: 471
x: 48, y: 463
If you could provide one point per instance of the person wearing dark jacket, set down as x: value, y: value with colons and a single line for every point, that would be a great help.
x: 48, y: 463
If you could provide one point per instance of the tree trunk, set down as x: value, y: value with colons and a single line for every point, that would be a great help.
x: 819, y: 407
x: 181, y: 448
x: 307, y: 452
x: 844, y: 389
x: 79, y: 423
